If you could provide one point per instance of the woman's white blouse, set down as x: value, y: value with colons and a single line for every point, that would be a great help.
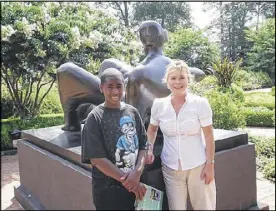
x: 183, y: 139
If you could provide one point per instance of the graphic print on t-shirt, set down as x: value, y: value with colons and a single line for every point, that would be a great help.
x: 127, y: 145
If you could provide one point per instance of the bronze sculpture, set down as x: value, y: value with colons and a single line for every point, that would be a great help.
x: 79, y: 90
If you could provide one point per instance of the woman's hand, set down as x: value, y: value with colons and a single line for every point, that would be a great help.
x: 149, y: 156
x: 208, y: 173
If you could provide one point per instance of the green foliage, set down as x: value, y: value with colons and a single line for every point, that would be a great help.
x: 7, y: 108
x: 269, y: 170
x: 260, y: 99
x: 227, y: 113
x: 229, y: 22
x: 37, y: 37
x: 235, y: 92
x: 264, y: 146
x: 50, y: 105
x: 273, y: 119
x: 273, y: 91
x: 262, y: 55
x: 8, y: 125
x: 249, y: 80
x: 192, y: 47
x: 207, y: 84
x: 258, y: 116
x: 265, y: 151
x: 169, y: 14
x: 225, y: 71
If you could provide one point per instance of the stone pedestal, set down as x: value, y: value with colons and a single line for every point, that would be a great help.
x: 53, y: 177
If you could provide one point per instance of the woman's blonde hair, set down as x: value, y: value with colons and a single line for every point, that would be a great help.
x: 177, y: 65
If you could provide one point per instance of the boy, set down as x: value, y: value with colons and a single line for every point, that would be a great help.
x: 114, y: 142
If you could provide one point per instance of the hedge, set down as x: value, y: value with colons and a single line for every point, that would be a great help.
x: 8, y: 125
x: 260, y: 99
x: 265, y: 152
x: 250, y: 80
x: 259, y: 116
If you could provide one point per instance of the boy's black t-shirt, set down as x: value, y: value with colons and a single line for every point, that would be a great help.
x: 115, y: 134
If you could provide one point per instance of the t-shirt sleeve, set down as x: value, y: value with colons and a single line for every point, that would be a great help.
x: 141, y: 131
x: 205, y: 113
x: 92, y: 140
x: 154, y: 116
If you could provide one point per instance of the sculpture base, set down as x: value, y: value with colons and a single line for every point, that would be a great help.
x: 50, y: 182
x: 53, y: 177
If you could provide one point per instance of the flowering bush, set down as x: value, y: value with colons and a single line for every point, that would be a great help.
x: 37, y: 37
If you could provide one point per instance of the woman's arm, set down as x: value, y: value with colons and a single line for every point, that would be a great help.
x: 210, y: 142
x: 208, y: 172
x: 151, y: 134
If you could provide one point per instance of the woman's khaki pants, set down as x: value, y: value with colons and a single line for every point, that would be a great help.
x: 179, y: 183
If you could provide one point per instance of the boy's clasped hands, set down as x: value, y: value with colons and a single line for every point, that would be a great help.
x: 131, y: 181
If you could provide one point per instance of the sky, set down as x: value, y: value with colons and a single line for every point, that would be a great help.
x: 200, y: 18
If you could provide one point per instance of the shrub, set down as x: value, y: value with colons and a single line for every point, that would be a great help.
x: 6, y: 103
x: 42, y: 121
x: 264, y: 146
x: 249, y: 80
x: 50, y: 105
x: 227, y: 114
x: 259, y: 99
x: 235, y: 92
x: 225, y: 71
x: 265, y: 152
x: 258, y: 116
x: 273, y: 91
x: 269, y: 170
x: 206, y: 84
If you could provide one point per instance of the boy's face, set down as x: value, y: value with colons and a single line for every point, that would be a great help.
x: 113, y: 90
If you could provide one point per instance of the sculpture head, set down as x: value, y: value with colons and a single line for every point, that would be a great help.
x: 152, y: 34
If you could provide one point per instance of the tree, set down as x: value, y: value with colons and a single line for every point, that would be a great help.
x: 231, y: 23
x: 192, y: 47
x: 169, y: 14
x: 263, y: 10
x: 233, y: 19
x: 261, y: 56
x: 37, y: 37
x: 122, y: 10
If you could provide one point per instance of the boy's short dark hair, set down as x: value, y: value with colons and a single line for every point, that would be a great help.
x: 111, y: 73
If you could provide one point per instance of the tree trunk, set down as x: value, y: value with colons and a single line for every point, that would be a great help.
x: 258, y: 15
x: 221, y: 30
x: 126, y: 14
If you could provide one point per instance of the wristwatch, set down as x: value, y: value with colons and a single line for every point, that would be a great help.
x: 149, y: 145
x: 210, y: 161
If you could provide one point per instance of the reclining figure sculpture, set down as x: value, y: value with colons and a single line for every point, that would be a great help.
x: 79, y: 90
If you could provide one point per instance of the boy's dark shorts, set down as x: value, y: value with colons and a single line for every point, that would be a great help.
x: 113, y: 198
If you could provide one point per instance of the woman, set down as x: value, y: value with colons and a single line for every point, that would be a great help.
x: 187, y: 156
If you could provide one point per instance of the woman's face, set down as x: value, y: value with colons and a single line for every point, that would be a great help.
x: 149, y: 35
x: 177, y: 82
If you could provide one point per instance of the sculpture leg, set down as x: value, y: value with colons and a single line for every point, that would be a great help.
x: 72, y: 119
